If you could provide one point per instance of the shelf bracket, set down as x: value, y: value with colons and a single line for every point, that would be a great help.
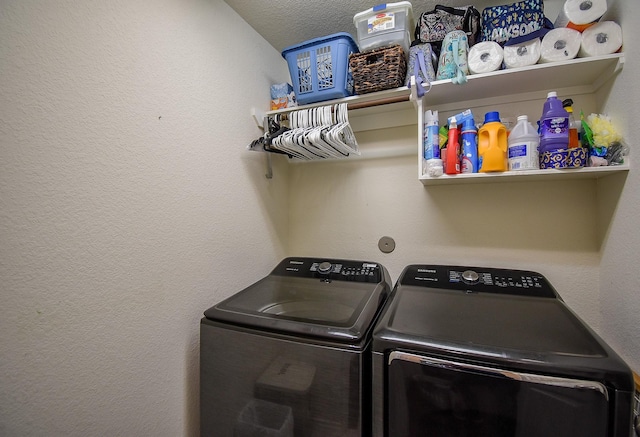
x: 619, y: 65
x: 265, y: 129
x: 269, y: 173
x: 259, y: 117
x: 414, y: 92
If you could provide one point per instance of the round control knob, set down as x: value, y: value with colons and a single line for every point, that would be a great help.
x: 469, y: 276
x: 324, y: 267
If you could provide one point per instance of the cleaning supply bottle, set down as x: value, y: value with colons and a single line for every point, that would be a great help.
x: 443, y: 134
x: 431, y: 138
x: 523, y: 144
x: 574, y: 128
x: 452, y: 165
x: 469, y: 147
x: 554, y: 125
x: 492, y: 144
x: 432, y: 162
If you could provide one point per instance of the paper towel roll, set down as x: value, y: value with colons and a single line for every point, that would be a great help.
x: 560, y: 44
x: 601, y: 39
x: 523, y: 54
x: 580, y: 12
x: 485, y: 57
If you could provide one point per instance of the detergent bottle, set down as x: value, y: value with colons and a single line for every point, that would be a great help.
x: 492, y: 144
x: 523, y: 146
x: 554, y: 125
x: 469, y: 147
x: 468, y: 135
x: 452, y: 164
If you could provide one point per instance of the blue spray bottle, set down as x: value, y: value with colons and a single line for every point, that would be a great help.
x: 469, y: 136
x: 469, y: 147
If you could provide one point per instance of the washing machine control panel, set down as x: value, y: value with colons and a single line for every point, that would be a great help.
x: 478, y: 280
x: 330, y: 269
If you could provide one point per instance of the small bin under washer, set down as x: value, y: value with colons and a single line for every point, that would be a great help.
x: 288, y: 382
x: 265, y: 419
x: 299, y: 338
x: 482, y: 352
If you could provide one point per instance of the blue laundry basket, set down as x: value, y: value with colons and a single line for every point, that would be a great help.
x: 319, y: 68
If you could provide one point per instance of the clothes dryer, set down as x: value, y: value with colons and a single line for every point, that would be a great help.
x: 483, y: 352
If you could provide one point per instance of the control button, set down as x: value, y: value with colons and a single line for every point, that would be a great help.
x: 324, y: 267
x: 470, y: 277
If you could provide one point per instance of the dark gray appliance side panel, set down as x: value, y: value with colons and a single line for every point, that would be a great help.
x: 378, y: 398
x: 233, y: 363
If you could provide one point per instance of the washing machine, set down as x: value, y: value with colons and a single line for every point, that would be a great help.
x: 290, y: 355
x: 485, y: 352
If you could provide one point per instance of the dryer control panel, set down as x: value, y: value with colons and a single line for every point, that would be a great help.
x: 330, y: 269
x: 479, y: 280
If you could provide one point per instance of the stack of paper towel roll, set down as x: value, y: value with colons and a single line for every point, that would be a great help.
x: 578, y: 33
x: 578, y: 14
x: 601, y: 39
x: 488, y: 56
x: 485, y: 57
x: 564, y: 43
x: 560, y: 44
x: 523, y: 54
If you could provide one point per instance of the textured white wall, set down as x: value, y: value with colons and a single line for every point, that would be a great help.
x: 128, y: 205
x: 620, y: 200
x: 343, y: 209
x: 582, y: 235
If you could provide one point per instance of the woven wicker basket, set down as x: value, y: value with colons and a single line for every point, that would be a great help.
x: 379, y: 69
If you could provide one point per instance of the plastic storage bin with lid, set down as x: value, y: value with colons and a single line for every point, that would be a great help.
x: 384, y: 25
x: 319, y: 68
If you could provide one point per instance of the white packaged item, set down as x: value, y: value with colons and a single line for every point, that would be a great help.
x: 385, y: 25
x: 602, y: 38
x: 560, y: 44
x: 485, y: 57
x: 435, y: 168
x: 580, y: 12
x: 523, y: 54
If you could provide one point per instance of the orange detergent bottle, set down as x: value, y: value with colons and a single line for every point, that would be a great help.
x: 492, y: 144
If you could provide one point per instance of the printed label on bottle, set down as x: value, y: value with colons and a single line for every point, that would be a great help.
x: 517, y: 151
x: 469, y: 153
x: 381, y: 22
x: 467, y: 166
x: 431, y: 142
x: 555, y: 125
x: 523, y: 156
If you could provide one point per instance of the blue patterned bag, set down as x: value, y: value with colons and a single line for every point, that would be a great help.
x: 514, y: 23
x: 421, y: 60
x: 452, y: 63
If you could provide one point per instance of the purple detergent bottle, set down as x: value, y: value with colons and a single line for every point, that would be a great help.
x: 554, y: 125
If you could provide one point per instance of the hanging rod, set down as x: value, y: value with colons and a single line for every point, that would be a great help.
x: 350, y: 106
x: 377, y: 102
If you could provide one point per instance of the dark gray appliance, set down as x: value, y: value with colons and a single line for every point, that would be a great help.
x: 465, y: 351
x: 291, y: 354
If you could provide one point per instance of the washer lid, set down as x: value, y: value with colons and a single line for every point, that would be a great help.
x: 333, y: 299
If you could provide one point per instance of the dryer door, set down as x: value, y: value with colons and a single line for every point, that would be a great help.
x: 442, y: 398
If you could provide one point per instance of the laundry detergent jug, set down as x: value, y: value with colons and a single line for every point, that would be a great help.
x: 492, y: 144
